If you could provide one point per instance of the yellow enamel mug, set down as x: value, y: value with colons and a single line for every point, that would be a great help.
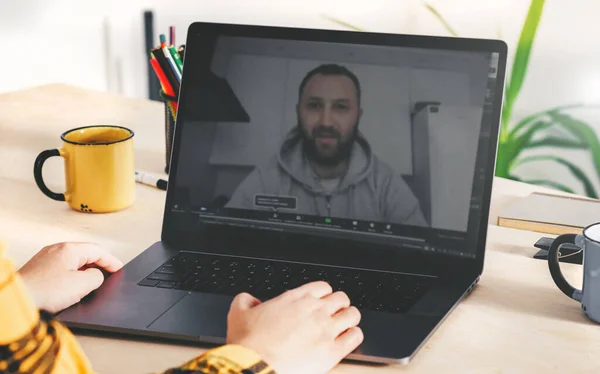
x: 99, y: 169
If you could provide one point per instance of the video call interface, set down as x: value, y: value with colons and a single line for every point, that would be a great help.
x: 337, y: 139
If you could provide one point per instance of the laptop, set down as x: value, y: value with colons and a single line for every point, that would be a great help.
x: 362, y: 159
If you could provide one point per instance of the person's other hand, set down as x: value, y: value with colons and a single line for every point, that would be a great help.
x: 305, y: 330
x: 61, y: 274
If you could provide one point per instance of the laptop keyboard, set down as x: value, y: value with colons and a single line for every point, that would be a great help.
x: 265, y: 279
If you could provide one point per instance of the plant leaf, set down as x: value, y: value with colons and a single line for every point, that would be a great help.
x: 440, y: 18
x: 543, y: 182
x: 555, y: 141
x: 523, y: 140
x: 521, y: 60
x: 582, y: 131
x: 529, y: 119
x: 590, y: 191
x: 503, y: 160
x: 516, y: 144
x: 342, y: 23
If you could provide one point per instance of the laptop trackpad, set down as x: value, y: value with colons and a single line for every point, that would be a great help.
x: 198, y: 314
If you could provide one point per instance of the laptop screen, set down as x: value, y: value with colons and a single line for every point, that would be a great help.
x: 368, y: 142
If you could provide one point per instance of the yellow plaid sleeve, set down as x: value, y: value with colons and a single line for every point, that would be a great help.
x: 227, y: 359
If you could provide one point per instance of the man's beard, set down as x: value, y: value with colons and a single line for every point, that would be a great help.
x: 333, y: 158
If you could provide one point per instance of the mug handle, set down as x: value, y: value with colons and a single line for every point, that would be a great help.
x: 37, y: 173
x: 554, y: 266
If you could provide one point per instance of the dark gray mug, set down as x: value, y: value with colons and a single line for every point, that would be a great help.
x: 589, y: 242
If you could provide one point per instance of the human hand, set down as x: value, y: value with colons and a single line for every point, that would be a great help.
x: 305, y: 330
x: 61, y: 274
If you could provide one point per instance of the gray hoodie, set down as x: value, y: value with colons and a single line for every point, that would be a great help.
x: 369, y: 191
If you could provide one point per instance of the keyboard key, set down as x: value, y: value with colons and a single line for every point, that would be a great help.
x: 233, y: 289
x: 184, y: 286
x: 268, y: 292
x: 162, y: 277
x: 149, y: 283
x: 166, y: 284
x: 253, y: 287
x: 166, y: 270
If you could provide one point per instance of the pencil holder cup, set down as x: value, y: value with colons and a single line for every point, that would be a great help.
x: 170, y: 103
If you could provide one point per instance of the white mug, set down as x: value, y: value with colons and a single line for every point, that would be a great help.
x: 589, y: 296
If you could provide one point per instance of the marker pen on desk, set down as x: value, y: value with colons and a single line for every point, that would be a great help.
x: 150, y: 180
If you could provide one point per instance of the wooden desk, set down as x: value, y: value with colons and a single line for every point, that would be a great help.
x: 515, y: 321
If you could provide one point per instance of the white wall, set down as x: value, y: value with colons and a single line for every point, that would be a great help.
x: 563, y: 60
x: 564, y: 66
x: 452, y: 137
x: 53, y: 41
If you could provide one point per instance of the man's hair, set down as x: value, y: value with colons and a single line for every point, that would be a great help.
x: 330, y: 69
